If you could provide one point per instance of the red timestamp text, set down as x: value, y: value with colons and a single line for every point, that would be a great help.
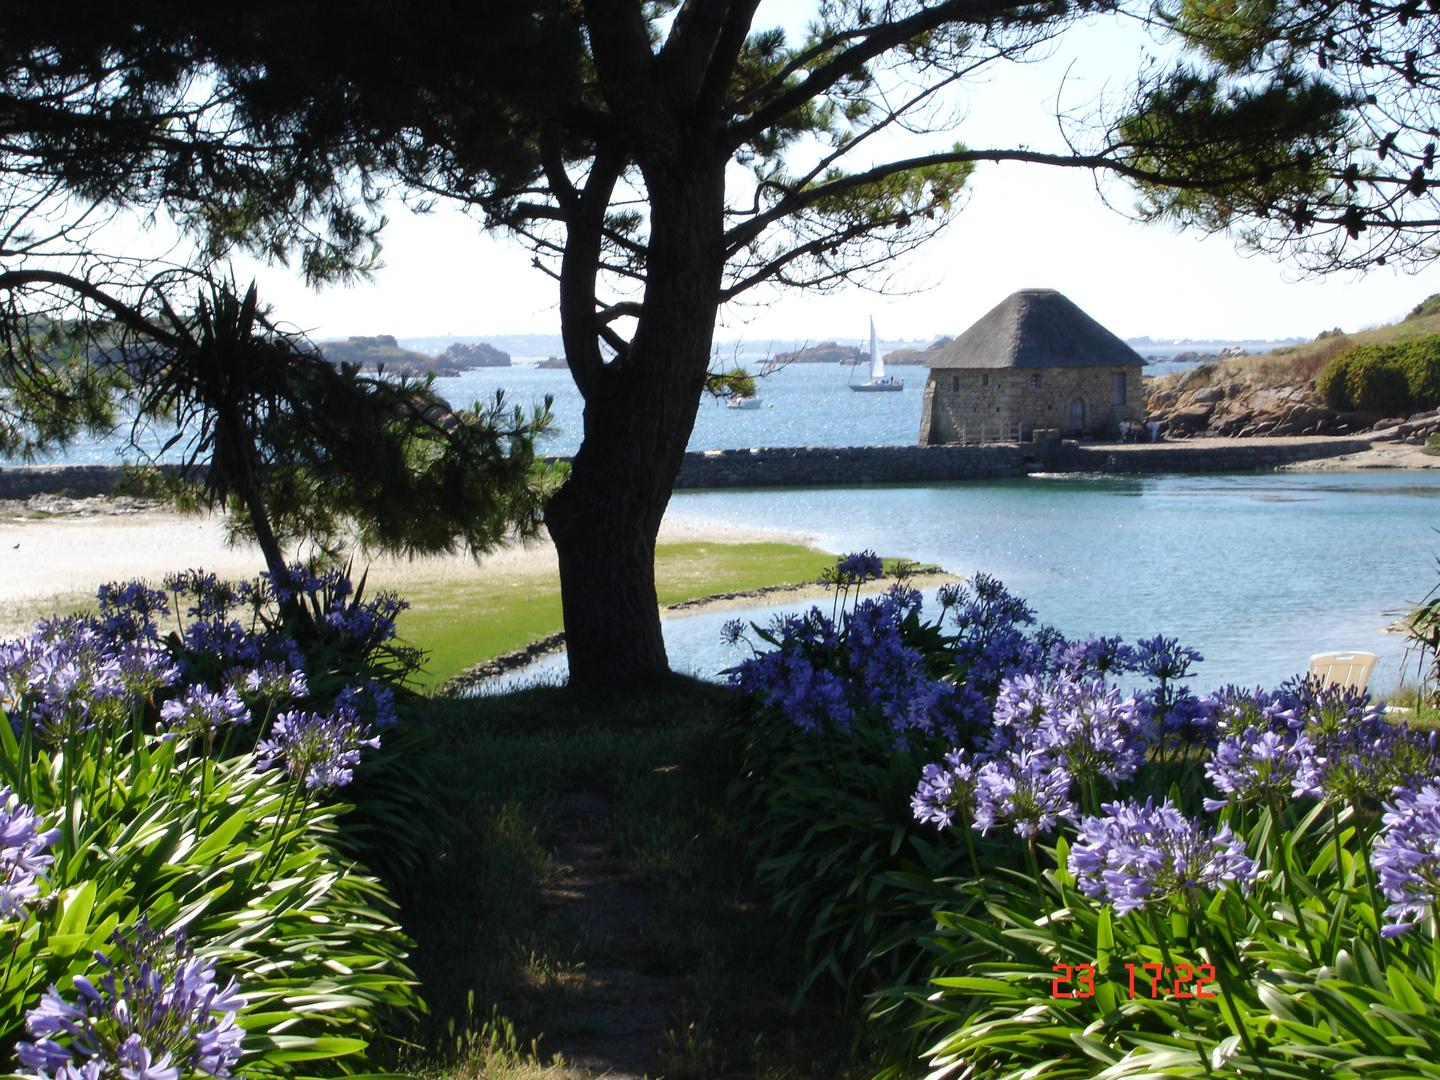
x: 1181, y: 981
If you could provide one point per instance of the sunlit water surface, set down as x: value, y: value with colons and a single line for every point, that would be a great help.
x: 1255, y: 571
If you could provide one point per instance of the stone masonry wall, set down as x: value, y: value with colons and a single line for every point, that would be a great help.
x: 829, y: 466
x: 971, y: 405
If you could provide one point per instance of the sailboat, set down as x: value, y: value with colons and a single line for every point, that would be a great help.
x: 878, y: 379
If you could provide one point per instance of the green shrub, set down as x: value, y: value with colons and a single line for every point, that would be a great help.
x: 1429, y: 306
x: 1394, y: 378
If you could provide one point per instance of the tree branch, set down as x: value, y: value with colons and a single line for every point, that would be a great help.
x: 131, y: 317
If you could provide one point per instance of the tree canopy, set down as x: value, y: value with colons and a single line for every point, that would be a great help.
x: 662, y: 158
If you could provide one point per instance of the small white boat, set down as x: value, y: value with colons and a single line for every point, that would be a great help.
x: 749, y: 401
x: 878, y: 381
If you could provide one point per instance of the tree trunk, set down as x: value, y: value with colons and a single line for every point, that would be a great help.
x: 639, y: 412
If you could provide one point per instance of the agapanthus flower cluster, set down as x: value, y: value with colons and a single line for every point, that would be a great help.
x: 892, y: 675
x: 368, y: 702
x: 1233, y: 709
x: 153, y: 1012
x: 269, y: 682
x: 1164, y: 658
x: 23, y: 858
x: 200, y: 713
x: 233, y: 644
x: 1188, y: 721
x: 946, y: 787
x: 819, y: 675
x: 1082, y: 723
x: 853, y: 569
x: 1407, y: 856
x: 299, y: 580
x: 991, y: 642
x: 795, y: 676
x: 1093, y: 656
x: 1025, y: 789
x: 369, y: 623
x: 1263, y: 765
x: 128, y: 611
x: 1135, y: 854
x: 210, y: 596
x: 68, y: 676
x: 316, y: 750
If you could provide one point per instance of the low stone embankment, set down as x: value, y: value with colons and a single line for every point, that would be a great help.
x: 847, y: 466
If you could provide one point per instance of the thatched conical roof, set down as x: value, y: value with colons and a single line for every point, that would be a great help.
x: 1035, y: 328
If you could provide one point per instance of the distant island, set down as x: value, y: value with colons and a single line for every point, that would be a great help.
x: 370, y: 352
x: 917, y: 356
x: 827, y: 352
x: 554, y: 362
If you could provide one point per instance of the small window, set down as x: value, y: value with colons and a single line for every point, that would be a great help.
x: 985, y: 379
x: 1117, y: 388
x: 956, y: 387
x: 1035, y: 381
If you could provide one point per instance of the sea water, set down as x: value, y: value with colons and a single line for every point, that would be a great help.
x: 1257, y: 572
x: 800, y: 405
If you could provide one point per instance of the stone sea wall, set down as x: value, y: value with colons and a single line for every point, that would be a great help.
x: 830, y: 466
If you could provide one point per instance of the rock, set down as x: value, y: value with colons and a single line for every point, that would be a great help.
x: 1184, y: 422
x: 1233, y: 423
x: 1302, y: 420
x: 554, y: 362
x: 1161, y: 398
x: 1193, y: 374
x: 465, y: 357
x: 1209, y: 395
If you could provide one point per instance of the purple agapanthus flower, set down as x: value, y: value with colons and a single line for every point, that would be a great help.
x: 199, y: 713
x: 1135, y: 854
x: 857, y: 567
x: 1083, y: 723
x: 23, y: 857
x: 1263, y: 765
x: 945, y: 787
x: 1027, y: 789
x: 154, y: 1012
x: 1093, y: 656
x: 369, y: 702
x: 1165, y: 658
x: 1407, y: 856
x: 128, y: 611
x: 319, y: 751
x: 272, y: 681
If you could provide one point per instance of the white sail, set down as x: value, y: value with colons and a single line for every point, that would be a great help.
x: 877, y: 366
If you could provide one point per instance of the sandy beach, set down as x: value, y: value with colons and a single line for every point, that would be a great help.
x: 55, y: 551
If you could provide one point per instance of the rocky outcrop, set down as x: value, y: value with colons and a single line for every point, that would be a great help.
x: 917, y: 357
x: 473, y: 356
x: 554, y: 362
x: 1235, y: 411
x: 827, y: 352
x: 369, y: 353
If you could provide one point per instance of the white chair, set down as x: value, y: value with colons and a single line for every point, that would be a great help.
x: 1343, y: 668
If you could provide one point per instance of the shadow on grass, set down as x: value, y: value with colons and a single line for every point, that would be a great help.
x: 594, y: 895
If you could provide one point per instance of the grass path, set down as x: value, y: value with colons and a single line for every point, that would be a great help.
x: 469, y: 614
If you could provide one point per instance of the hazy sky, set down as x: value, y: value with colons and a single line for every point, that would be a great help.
x: 1023, y: 226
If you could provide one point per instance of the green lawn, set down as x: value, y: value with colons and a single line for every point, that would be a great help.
x: 462, y: 620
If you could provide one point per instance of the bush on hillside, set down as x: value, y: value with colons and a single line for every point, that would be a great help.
x: 1429, y: 306
x: 1395, y: 378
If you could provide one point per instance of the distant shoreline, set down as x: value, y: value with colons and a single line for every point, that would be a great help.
x: 845, y: 466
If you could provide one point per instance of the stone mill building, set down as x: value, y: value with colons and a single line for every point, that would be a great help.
x: 1033, y: 362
